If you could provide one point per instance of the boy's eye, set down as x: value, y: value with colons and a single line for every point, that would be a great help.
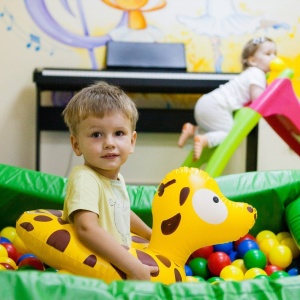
x: 119, y: 133
x: 96, y: 134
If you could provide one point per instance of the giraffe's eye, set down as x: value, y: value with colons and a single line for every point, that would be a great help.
x: 209, y: 207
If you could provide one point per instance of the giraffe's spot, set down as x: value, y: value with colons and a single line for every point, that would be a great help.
x: 165, y: 261
x: 59, y: 239
x: 55, y: 212
x: 139, y: 240
x: 146, y: 259
x: 91, y: 261
x: 42, y: 218
x: 121, y: 273
x: 177, y: 275
x: 62, y: 221
x: 184, y: 193
x: 170, y: 225
x: 27, y: 226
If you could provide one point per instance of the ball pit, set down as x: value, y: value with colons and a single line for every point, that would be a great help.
x: 20, y: 192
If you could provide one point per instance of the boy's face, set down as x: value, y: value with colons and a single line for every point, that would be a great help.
x: 105, y: 143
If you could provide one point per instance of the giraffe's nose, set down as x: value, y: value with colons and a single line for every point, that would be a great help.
x: 251, y: 210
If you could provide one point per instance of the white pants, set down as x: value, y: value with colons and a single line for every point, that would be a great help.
x: 213, y: 120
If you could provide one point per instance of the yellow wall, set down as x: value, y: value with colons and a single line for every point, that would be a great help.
x: 213, y: 32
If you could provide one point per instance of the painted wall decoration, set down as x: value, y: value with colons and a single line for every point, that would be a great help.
x: 213, y: 31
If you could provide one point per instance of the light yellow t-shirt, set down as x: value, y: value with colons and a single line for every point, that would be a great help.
x: 88, y: 190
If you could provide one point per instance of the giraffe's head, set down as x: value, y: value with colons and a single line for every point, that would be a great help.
x: 189, y: 212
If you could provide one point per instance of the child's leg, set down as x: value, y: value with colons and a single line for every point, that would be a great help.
x: 200, y: 141
x: 188, y: 130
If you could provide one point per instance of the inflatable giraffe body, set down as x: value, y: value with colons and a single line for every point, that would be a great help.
x: 189, y: 212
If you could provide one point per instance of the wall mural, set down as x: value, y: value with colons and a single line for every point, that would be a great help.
x: 213, y: 37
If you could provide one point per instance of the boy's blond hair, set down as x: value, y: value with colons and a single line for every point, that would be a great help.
x: 99, y: 99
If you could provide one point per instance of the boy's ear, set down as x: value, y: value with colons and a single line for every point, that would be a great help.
x: 133, y: 141
x: 75, y: 145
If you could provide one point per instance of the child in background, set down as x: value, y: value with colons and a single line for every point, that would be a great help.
x: 102, y: 119
x: 214, y: 111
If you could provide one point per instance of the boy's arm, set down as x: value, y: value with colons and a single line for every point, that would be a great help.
x: 103, y: 244
x: 138, y: 227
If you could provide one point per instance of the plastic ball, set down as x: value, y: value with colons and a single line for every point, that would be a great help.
x: 282, y: 235
x: 217, y: 261
x: 4, y: 240
x: 9, y: 261
x: 277, y: 65
x: 232, y: 273
x: 204, y: 252
x: 279, y: 274
x: 2, y: 268
x: 248, y: 236
x: 293, y: 272
x: 255, y: 259
x: 11, y: 251
x: 280, y: 256
x: 32, y: 261
x: 191, y: 279
x: 269, y: 269
x: 199, y: 278
x: 225, y: 247
x: 245, y: 246
x: 267, y: 244
x: 233, y: 255
x: 240, y: 264
x: 215, y: 279
x: 9, y: 233
x: 188, y: 271
x: 262, y: 276
x: 265, y: 234
x: 199, y: 267
x: 290, y: 243
x: 3, y: 251
x: 254, y: 272
x: 20, y: 258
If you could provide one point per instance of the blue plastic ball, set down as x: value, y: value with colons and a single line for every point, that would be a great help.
x: 188, y: 270
x: 245, y: 246
x: 225, y: 247
x: 293, y: 272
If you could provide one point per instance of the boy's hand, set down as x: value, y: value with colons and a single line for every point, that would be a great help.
x: 143, y: 273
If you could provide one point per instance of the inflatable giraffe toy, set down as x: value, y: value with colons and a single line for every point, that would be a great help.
x: 189, y: 212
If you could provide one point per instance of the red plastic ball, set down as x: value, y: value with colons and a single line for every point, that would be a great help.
x: 11, y: 251
x: 269, y: 269
x: 203, y: 252
x: 32, y: 261
x: 217, y: 261
x: 248, y: 236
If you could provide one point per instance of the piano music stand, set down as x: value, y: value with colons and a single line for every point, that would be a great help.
x: 278, y: 105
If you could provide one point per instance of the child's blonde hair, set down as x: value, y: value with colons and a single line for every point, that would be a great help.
x: 251, y: 47
x: 98, y: 99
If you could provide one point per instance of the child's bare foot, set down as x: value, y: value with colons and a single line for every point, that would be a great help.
x: 188, y: 130
x: 200, y: 141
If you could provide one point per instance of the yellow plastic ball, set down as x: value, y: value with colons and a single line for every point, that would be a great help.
x: 267, y: 244
x: 277, y: 65
x: 7, y: 260
x: 282, y: 235
x: 253, y: 272
x: 232, y: 273
x: 3, y: 251
x: 240, y: 264
x: 280, y: 256
x: 191, y: 279
x: 265, y: 234
x: 8, y: 233
x: 290, y: 243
